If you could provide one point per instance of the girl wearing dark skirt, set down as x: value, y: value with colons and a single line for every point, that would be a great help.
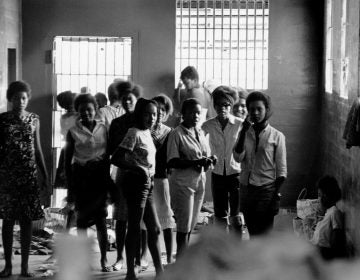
x: 87, y: 171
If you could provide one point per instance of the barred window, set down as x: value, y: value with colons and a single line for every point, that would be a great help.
x: 226, y: 40
x: 329, y: 48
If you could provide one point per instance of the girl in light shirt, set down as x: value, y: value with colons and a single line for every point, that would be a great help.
x: 87, y: 171
x: 188, y: 155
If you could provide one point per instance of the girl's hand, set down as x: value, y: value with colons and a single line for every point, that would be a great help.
x: 180, y: 84
x: 246, y: 124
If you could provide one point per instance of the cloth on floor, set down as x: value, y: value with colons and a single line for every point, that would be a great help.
x: 352, y: 126
x: 39, y: 245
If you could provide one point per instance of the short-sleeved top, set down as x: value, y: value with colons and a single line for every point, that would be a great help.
x: 222, y: 143
x: 118, y: 130
x: 160, y: 136
x: 261, y: 165
x: 108, y: 113
x: 185, y: 144
x: 140, y: 149
x: 89, y: 146
x: 333, y: 219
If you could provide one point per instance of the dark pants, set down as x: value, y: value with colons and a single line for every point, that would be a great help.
x: 259, y: 205
x: 138, y: 194
x: 225, y: 191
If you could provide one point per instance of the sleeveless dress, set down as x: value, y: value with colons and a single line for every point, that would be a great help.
x: 19, y: 189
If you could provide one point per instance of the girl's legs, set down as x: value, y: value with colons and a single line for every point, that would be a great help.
x: 7, y: 237
x: 120, y: 232
x: 143, y: 249
x: 103, y: 239
x: 153, y: 229
x: 25, y: 240
x: 181, y: 242
x: 132, y: 240
x: 168, y: 244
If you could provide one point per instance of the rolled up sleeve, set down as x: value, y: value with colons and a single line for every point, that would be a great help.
x: 280, y: 157
x: 173, y: 146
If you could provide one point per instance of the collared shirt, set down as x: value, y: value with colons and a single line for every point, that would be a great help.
x: 89, y: 146
x: 333, y: 219
x: 141, y: 148
x: 222, y: 143
x: 262, y: 165
x: 108, y: 113
x: 183, y: 144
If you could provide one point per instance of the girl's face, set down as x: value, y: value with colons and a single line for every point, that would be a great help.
x: 162, y: 114
x: 257, y: 111
x: 128, y: 102
x: 240, y: 110
x: 150, y: 116
x: 191, y: 115
x: 223, y: 108
x: 20, y: 101
x: 87, y: 112
x: 323, y: 199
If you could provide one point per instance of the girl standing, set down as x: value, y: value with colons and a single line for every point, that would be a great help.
x: 188, y: 154
x: 223, y: 131
x: 136, y: 157
x: 160, y: 134
x: 20, y: 155
x: 129, y: 93
x: 87, y: 171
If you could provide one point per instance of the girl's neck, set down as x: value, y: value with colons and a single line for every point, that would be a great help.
x: 89, y: 125
x: 223, y: 122
x: 188, y: 126
x: 20, y: 113
x: 258, y: 127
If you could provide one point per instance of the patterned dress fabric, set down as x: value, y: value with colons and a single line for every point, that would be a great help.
x: 19, y: 189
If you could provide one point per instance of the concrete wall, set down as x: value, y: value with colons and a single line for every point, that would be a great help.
x: 151, y: 24
x: 336, y: 160
x: 10, y: 34
x: 295, y: 55
x: 295, y: 52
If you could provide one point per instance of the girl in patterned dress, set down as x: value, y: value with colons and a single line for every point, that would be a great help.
x: 20, y: 158
x: 160, y: 133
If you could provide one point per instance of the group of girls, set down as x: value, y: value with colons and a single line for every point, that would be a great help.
x: 125, y: 151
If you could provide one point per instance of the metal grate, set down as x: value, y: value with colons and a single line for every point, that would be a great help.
x: 329, y: 48
x: 344, y: 71
x: 93, y: 62
x: 226, y: 40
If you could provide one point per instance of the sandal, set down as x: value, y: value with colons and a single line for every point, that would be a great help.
x: 27, y: 274
x: 118, y: 266
x: 106, y: 269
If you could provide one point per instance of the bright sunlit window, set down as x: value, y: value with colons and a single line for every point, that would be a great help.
x: 226, y: 40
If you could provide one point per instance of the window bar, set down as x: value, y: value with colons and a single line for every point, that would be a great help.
x: 189, y: 37
x: 105, y: 53
x: 222, y: 40
x: 79, y: 62
x: 205, y: 30
x: 230, y: 40
x: 263, y: 44
x: 238, y: 45
x: 114, y: 64
x: 88, y: 64
x: 197, y: 34
x: 181, y: 32
x: 255, y: 44
x: 70, y: 64
x: 246, y: 44
x: 214, y: 27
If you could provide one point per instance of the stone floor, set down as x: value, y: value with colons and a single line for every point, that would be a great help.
x: 283, y: 222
